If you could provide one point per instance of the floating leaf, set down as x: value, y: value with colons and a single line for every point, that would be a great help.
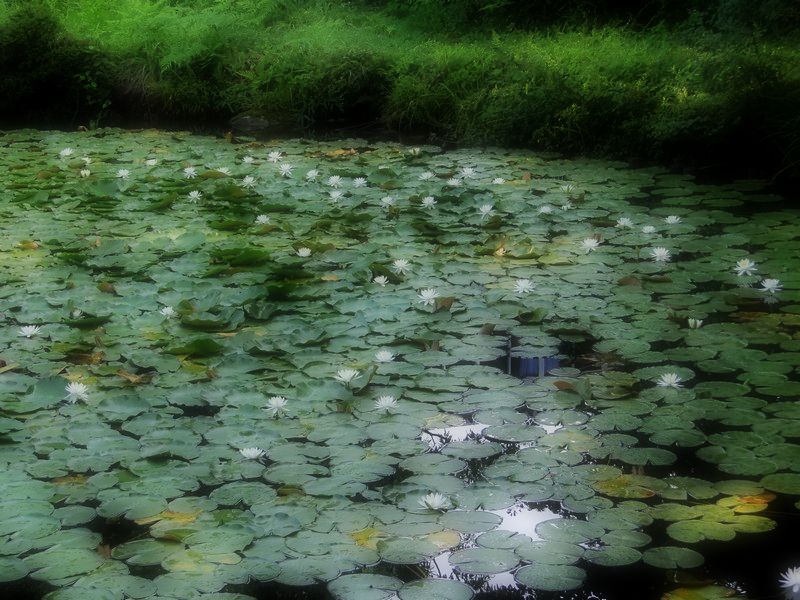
x: 672, y: 557
x: 551, y: 578
x: 483, y: 561
x: 364, y: 587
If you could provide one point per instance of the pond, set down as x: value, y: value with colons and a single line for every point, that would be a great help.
x: 304, y: 369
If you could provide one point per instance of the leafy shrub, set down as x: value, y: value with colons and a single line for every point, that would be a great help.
x: 689, y: 79
x: 318, y: 86
x: 47, y: 73
x: 724, y: 15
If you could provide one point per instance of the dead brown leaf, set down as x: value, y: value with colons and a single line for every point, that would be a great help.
x: 135, y: 379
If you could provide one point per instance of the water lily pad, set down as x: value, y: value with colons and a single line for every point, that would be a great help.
x: 406, y: 551
x: 435, y: 589
x: 364, y: 586
x: 12, y: 568
x: 672, y: 557
x: 513, y: 433
x: 550, y: 553
x: 501, y: 539
x: 613, y: 556
x: 219, y: 420
x: 785, y: 483
x: 569, y: 530
x: 470, y: 521
x: 60, y: 563
x: 551, y: 578
x: 483, y: 561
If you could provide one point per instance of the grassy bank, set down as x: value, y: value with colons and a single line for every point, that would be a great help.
x: 682, y: 90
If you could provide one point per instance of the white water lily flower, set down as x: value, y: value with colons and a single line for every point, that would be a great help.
x: 262, y: 220
x: 624, y: 222
x: 545, y: 209
x: 567, y: 205
x: 76, y: 314
x: 86, y: 160
x: 435, y: 501
x: 312, y: 175
x: 790, y: 580
x: 334, y: 181
x: 648, y: 229
x: 346, y: 376
x: 336, y: 195
x: 381, y: 280
x: 672, y: 220
x: 386, y: 403
x: 387, y: 201
x: 695, y: 323
x: 428, y: 202
x: 567, y: 188
x: 660, y: 254
x: 224, y: 170
x: 123, y: 174
x: 285, y: 169
x: 151, y: 162
x: 249, y: 182
x: 415, y: 151
x: 195, y: 195
x: 28, y: 331
x: 467, y: 172
x: 453, y: 182
x: 360, y: 182
x: 771, y: 286
x: 76, y: 391
x: 66, y: 152
x: 85, y: 172
x: 304, y: 252
x: 498, y: 181
x: 486, y: 210
x: 745, y: 266
x: 277, y: 405
x: 426, y: 176
x: 428, y: 296
x: 251, y: 453
x: 190, y: 172
x: 401, y: 266
x: 248, y: 160
x: 168, y: 312
x: 590, y: 244
x: 274, y: 156
x: 523, y: 286
x: 672, y: 380
x: 384, y: 356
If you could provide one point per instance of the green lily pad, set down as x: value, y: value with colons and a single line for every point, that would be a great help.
x: 435, y: 589
x: 551, y: 578
x: 483, y: 561
x: 672, y: 557
x: 406, y: 551
x: 364, y: 586
x: 785, y: 483
x: 470, y: 521
x: 12, y: 569
x: 550, y: 553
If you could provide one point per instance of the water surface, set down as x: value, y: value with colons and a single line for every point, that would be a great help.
x: 600, y: 399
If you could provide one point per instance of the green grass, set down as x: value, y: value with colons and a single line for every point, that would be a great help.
x: 688, y: 93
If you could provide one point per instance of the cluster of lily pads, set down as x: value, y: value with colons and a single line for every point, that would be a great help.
x: 243, y: 352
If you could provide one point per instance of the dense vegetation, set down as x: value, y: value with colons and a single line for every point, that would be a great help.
x: 714, y: 82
